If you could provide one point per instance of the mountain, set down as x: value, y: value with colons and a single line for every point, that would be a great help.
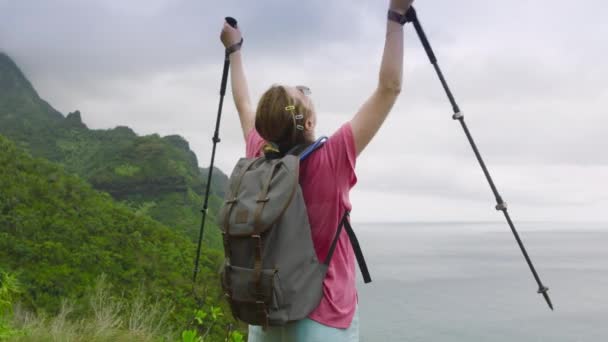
x: 22, y: 111
x: 220, y: 180
x: 152, y: 174
x: 58, y: 234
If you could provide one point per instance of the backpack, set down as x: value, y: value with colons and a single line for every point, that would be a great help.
x: 271, y: 274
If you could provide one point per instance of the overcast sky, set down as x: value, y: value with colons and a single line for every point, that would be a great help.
x: 531, y: 78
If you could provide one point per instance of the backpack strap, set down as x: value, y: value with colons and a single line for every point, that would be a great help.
x: 310, y: 149
x: 305, y: 150
x: 356, y: 247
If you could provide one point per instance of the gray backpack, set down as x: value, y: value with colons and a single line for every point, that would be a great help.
x: 271, y: 274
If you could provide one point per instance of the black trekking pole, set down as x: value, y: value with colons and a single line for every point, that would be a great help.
x: 501, y: 205
x: 232, y: 22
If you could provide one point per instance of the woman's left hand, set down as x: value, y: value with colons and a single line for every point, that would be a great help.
x: 230, y: 35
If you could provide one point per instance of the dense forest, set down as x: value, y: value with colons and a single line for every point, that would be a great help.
x: 157, y: 174
x: 82, y: 207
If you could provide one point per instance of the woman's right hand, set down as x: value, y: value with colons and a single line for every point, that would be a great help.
x: 400, y: 6
x: 230, y: 35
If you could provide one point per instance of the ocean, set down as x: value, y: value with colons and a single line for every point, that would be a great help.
x: 470, y: 282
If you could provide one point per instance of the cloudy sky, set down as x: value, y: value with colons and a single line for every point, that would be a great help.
x: 531, y: 78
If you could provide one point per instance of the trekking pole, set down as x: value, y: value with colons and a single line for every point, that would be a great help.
x: 232, y: 22
x: 501, y: 205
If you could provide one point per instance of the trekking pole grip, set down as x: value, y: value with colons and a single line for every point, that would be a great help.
x: 231, y: 21
x: 236, y: 46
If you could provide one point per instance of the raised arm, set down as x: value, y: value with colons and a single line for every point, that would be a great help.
x: 240, y: 90
x: 371, y: 115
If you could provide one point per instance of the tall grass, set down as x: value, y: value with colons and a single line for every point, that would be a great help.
x: 108, y: 318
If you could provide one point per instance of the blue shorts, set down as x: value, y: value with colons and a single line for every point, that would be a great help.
x: 306, y: 330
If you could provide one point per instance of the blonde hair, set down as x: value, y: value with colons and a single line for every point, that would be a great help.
x: 277, y: 122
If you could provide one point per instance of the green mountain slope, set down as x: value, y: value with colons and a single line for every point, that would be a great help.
x: 156, y: 175
x: 23, y: 112
x: 58, y: 235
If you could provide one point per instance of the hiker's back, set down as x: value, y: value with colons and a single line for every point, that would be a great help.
x: 326, y: 177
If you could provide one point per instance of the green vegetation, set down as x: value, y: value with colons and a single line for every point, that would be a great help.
x: 131, y: 168
x: 9, y: 289
x: 106, y: 317
x: 76, y: 204
x: 58, y: 234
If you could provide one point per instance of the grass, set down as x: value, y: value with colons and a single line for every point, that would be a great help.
x: 107, y: 318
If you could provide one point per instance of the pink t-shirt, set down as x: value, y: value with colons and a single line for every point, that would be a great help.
x: 326, y: 177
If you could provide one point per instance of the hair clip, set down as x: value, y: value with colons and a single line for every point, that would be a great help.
x: 300, y: 127
x: 290, y: 108
x: 299, y: 116
x: 271, y: 147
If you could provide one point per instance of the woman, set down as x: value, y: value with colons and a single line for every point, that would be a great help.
x: 285, y: 116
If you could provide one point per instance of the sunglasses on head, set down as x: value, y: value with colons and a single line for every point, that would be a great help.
x: 304, y: 90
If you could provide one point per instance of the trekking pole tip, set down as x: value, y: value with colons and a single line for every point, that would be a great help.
x: 543, y: 290
x: 231, y: 21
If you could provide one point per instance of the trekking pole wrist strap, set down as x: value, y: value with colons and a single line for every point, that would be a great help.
x: 397, y: 17
x: 234, y: 47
